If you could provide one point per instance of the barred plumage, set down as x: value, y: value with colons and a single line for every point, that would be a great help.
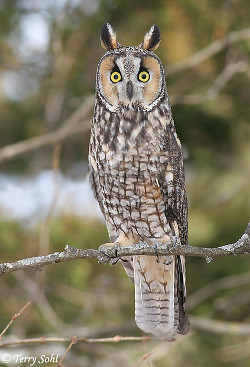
x: 136, y: 172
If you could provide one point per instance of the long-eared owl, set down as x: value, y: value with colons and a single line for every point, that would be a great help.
x: 136, y: 173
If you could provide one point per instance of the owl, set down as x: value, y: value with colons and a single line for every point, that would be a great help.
x: 137, y: 176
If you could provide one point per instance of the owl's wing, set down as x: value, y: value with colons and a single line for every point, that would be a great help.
x: 171, y: 181
x: 94, y: 182
x: 172, y: 185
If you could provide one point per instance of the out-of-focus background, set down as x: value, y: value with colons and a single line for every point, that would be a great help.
x: 48, y: 58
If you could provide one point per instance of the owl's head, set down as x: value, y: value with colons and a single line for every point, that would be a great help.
x: 130, y: 77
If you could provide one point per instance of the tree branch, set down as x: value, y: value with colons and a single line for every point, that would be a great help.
x: 43, y: 340
x: 198, y: 323
x: 232, y: 281
x: 210, y: 50
x: 75, y: 124
x: 221, y: 80
x: 106, y: 254
x: 220, y: 327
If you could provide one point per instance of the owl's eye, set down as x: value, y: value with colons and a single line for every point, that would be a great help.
x: 143, y: 76
x: 115, y: 77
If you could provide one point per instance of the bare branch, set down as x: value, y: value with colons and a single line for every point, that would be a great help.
x: 76, y: 123
x: 222, y: 79
x: 198, y: 323
x: 235, y: 352
x: 230, y: 70
x: 220, y: 327
x: 106, y: 254
x: 43, y: 340
x: 14, y: 317
x: 210, y: 50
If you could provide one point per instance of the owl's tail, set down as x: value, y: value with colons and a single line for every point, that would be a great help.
x: 160, y: 295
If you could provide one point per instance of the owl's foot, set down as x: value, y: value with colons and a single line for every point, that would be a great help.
x: 164, y: 261
x: 126, y: 240
x: 112, y: 259
x: 161, y: 241
x: 112, y: 256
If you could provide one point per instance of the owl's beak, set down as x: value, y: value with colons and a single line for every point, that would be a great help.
x: 129, y: 90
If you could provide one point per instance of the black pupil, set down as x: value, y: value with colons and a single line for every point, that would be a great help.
x: 144, y: 76
x: 116, y: 76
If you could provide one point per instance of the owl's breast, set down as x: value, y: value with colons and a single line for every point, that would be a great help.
x: 129, y: 159
x: 131, y: 194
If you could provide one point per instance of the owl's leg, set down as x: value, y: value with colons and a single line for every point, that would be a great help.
x: 127, y: 239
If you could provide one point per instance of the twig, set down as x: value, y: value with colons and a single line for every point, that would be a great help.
x: 107, y: 254
x: 73, y: 341
x: 43, y: 340
x: 14, y: 318
x: 210, y: 50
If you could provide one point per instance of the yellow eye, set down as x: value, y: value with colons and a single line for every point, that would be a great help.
x: 115, y: 77
x: 143, y: 76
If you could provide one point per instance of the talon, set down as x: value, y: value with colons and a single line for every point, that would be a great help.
x: 115, y: 258
x: 156, y: 253
x: 115, y: 261
x: 175, y: 240
x: 112, y: 259
x: 105, y: 254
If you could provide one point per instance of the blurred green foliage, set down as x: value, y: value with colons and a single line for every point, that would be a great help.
x: 40, y: 87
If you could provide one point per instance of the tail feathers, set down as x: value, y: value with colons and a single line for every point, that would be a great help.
x: 155, y: 310
x: 180, y: 271
x: 159, y: 307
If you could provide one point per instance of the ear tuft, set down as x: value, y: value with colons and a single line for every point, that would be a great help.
x: 152, y: 39
x: 108, y: 37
